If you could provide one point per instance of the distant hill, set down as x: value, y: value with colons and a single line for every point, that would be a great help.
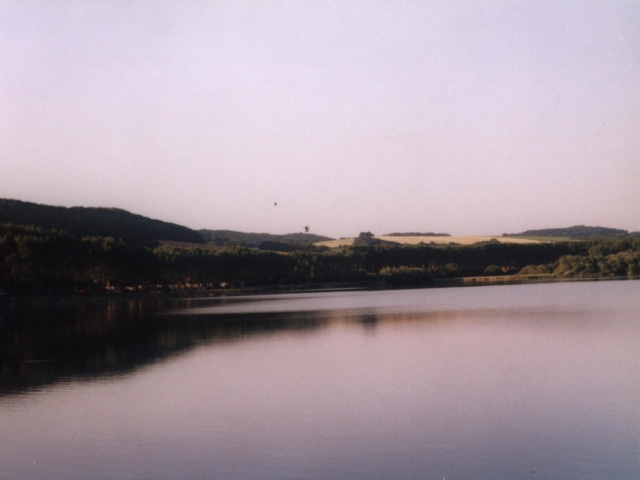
x: 579, y: 231
x: 230, y: 237
x: 100, y: 222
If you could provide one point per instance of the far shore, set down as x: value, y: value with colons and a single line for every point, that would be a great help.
x: 91, y: 297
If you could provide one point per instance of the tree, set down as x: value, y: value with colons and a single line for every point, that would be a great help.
x: 365, y: 239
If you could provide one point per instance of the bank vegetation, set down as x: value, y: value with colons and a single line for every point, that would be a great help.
x: 34, y: 260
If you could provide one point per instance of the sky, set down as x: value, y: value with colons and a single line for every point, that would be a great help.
x: 464, y: 117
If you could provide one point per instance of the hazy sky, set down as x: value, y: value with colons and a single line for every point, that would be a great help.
x: 466, y: 117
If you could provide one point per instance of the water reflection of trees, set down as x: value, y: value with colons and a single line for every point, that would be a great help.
x: 49, y: 343
x: 45, y: 344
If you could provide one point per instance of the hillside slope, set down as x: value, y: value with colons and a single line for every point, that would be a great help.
x: 231, y: 237
x: 103, y: 222
x: 578, y: 231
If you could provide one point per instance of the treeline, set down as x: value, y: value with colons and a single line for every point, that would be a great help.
x: 609, y: 258
x: 35, y: 260
x: 416, y: 234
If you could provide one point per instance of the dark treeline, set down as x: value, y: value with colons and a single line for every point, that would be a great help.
x: 417, y: 234
x: 34, y: 260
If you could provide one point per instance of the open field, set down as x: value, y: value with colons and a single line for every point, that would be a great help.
x: 410, y: 240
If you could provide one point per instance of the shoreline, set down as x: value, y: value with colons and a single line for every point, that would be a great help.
x: 7, y: 299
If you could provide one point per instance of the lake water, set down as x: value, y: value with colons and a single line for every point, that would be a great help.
x: 538, y: 381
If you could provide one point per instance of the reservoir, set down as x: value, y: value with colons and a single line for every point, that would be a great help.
x: 535, y: 381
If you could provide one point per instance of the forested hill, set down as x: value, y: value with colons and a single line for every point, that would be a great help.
x: 100, y: 222
x: 230, y: 237
x: 579, y: 231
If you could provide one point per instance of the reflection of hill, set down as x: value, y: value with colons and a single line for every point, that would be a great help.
x: 47, y: 344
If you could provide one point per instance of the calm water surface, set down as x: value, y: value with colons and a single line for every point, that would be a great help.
x: 504, y: 382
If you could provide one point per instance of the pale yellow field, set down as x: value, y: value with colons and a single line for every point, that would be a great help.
x: 461, y: 240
